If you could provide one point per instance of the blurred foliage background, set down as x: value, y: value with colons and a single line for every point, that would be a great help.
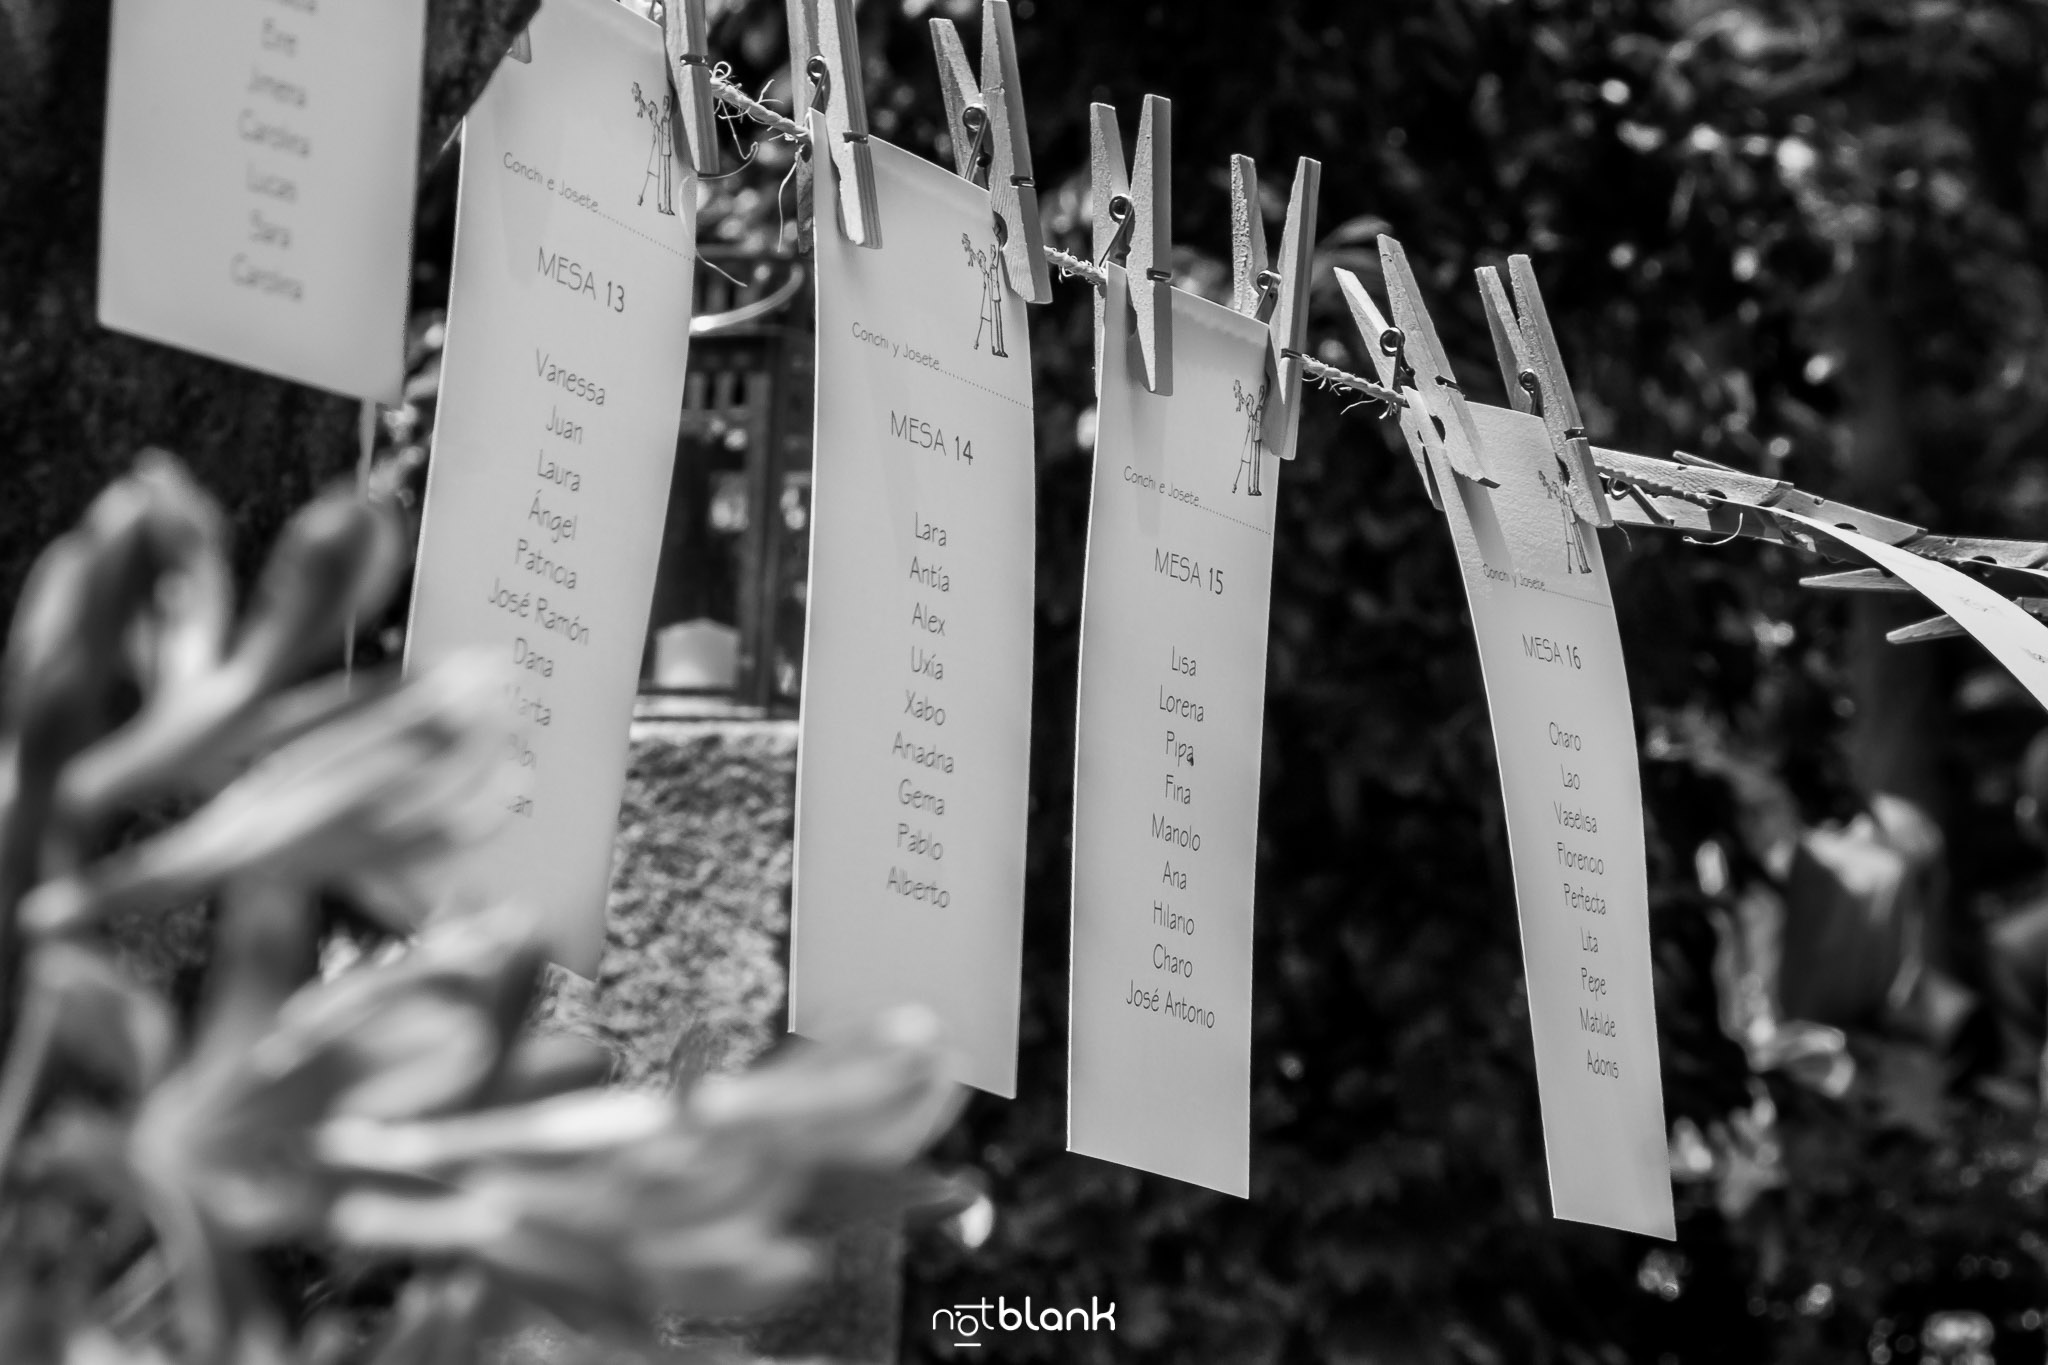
x: 1803, y: 238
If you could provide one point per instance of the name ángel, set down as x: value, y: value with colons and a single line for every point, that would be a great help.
x: 571, y: 383
x: 558, y: 526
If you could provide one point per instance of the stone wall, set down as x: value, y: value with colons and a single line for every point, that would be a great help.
x: 693, y: 977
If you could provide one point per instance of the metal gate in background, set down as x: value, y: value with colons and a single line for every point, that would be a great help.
x: 727, y: 619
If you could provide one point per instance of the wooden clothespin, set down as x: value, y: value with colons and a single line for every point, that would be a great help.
x: 687, y: 34
x: 1416, y: 341
x: 1134, y: 227
x: 1532, y: 367
x: 1275, y: 294
x: 1247, y: 239
x: 1857, y: 580
x: 1287, y: 328
x: 1946, y: 627
x: 989, y: 142
x: 824, y: 67
x: 1417, y: 425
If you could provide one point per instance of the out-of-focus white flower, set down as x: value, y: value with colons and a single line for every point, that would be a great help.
x: 338, y: 558
x: 417, y: 771
x: 612, y: 1206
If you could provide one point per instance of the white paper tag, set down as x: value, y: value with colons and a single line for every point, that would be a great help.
x: 912, y: 763
x: 257, y: 189
x: 1167, y: 747
x: 2015, y: 637
x: 561, y: 393
x: 1565, y: 738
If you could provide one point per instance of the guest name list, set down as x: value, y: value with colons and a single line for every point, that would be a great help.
x: 1565, y: 739
x: 560, y: 394
x: 1167, y: 749
x: 258, y: 183
x: 912, y: 765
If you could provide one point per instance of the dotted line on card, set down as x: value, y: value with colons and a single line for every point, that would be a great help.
x: 1007, y: 398
x: 1261, y: 530
x: 679, y: 255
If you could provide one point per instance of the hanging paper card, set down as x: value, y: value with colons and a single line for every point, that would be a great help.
x: 911, y: 773
x: 2014, y: 637
x: 1167, y: 744
x: 561, y: 390
x: 257, y: 188
x: 1565, y: 740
